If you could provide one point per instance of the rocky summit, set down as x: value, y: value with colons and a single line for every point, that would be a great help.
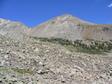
x: 64, y: 50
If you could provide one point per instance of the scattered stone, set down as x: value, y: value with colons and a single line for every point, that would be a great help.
x: 50, y: 63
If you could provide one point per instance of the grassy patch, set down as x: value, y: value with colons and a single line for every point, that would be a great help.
x: 22, y: 71
x: 4, y: 69
x: 94, y: 47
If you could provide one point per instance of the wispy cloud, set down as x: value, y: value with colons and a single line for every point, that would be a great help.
x: 110, y: 5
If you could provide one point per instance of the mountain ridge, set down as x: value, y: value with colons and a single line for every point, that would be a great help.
x: 2, y: 20
x: 71, y: 28
x: 65, y: 26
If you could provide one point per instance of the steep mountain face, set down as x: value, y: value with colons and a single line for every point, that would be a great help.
x: 97, y: 32
x: 72, y: 28
x: 14, y: 30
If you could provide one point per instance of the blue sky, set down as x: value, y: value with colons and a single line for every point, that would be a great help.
x: 34, y: 12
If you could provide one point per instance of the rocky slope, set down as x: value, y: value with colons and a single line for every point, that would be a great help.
x: 11, y: 29
x: 72, y: 28
x: 25, y: 58
x: 38, y: 62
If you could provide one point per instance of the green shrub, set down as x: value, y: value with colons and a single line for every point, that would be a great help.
x: 94, y: 47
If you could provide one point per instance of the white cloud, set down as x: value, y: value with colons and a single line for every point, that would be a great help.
x: 110, y: 5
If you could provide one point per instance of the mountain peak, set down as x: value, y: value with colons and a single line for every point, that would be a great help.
x: 67, y: 15
x: 70, y: 19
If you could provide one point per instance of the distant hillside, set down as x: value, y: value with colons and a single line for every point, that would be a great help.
x: 72, y: 28
x: 65, y: 27
x: 14, y: 30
